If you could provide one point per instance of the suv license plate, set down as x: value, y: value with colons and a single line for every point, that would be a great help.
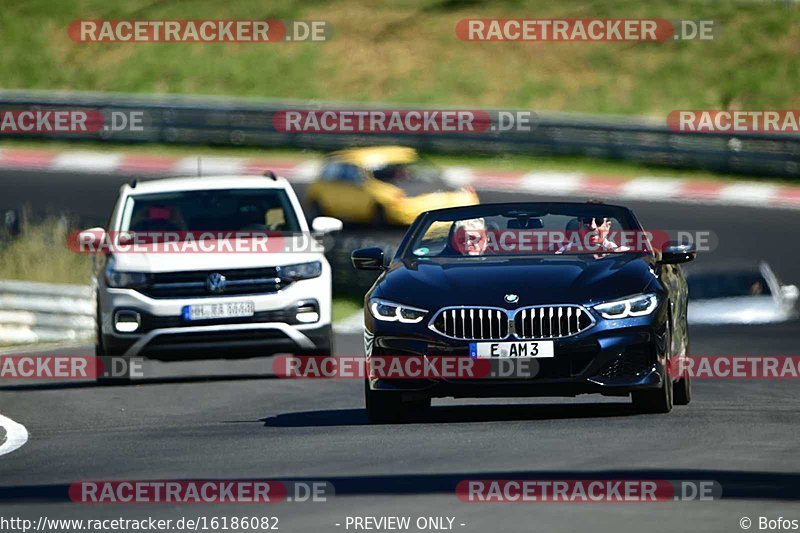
x: 221, y: 310
x: 511, y: 350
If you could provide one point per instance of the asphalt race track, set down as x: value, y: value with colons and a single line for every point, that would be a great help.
x: 235, y: 420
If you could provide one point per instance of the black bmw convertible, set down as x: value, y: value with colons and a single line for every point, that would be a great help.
x: 576, y: 289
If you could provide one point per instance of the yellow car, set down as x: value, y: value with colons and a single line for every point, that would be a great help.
x: 381, y: 185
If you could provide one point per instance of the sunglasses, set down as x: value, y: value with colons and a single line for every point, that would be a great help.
x: 598, y: 221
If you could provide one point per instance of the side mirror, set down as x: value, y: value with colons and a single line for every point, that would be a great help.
x: 674, y: 252
x: 367, y: 259
x: 90, y: 240
x: 790, y: 293
x: 326, y: 225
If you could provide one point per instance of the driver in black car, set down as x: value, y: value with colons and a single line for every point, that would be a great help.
x: 595, y: 231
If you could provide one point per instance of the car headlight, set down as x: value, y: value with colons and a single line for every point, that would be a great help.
x: 300, y: 271
x: 640, y: 305
x: 124, y: 280
x: 392, y: 312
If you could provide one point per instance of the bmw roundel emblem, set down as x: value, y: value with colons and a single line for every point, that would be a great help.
x: 215, y: 283
x: 512, y: 298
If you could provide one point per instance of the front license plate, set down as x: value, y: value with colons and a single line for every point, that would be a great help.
x: 221, y: 310
x: 511, y: 350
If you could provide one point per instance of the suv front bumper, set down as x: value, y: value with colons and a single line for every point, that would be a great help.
x: 164, y: 334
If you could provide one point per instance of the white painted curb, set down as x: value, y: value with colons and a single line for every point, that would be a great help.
x: 16, y: 435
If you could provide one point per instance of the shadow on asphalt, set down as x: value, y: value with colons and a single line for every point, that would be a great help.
x: 736, y: 484
x: 457, y: 414
x: 84, y: 384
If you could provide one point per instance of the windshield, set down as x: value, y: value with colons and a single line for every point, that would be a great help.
x: 526, y: 231
x: 710, y: 286
x: 210, y: 210
x: 397, y: 173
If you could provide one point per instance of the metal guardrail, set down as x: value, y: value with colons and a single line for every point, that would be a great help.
x: 44, y: 312
x: 245, y: 122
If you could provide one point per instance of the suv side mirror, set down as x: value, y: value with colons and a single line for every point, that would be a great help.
x: 367, y: 259
x: 326, y: 225
x: 90, y: 240
x: 674, y: 252
x: 790, y: 294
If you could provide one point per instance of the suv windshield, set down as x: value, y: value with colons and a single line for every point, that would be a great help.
x: 211, y: 210
x: 524, y: 231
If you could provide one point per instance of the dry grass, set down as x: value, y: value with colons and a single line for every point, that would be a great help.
x: 40, y: 254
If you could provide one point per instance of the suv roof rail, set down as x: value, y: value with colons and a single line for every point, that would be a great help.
x: 133, y: 183
x: 271, y: 175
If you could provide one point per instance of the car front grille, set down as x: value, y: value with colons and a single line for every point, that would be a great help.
x: 194, y: 284
x: 551, y: 322
x: 472, y: 323
x: 491, y: 323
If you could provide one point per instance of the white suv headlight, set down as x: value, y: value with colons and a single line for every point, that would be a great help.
x: 300, y: 271
x: 640, y: 305
x: 392, y: 312
x: 124, y: 280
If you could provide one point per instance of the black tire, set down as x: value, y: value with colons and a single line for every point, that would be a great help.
x: 682, y: 393
x: 101, y: 351
x: 655, y: 401
x: 388, y: 407
x: 325, y: 346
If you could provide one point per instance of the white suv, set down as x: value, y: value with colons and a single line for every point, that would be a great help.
x: 183, y: 274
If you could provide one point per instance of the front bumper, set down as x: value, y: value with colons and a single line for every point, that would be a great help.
x: 613, y: 357
x: 165, y: 335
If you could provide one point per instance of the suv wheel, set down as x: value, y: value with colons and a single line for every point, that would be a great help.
x: 101, y: 351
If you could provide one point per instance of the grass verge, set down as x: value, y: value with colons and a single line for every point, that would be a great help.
x: 40, y: 253
x: 408, y: 52
x: 345, y: 307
